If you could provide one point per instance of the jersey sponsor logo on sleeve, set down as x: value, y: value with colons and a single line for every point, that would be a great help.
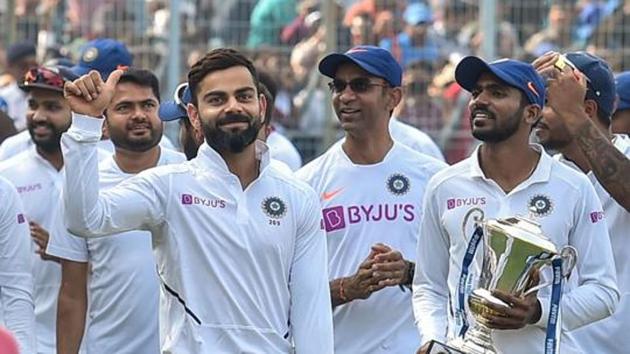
x: 337, y: 217
x: 453, y: 203
x: 326, y: 196
x: 274, y: 207
x: 21, y: 219
x: 189, y: 199
x: 596, y: 216
x: 540, y: 205
x: 398, y: 184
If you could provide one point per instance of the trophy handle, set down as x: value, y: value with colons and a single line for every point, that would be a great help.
x: 569, y: 255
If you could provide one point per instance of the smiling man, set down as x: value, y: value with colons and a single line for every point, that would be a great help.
x: 112, y: 281
x: 371, y: 190
x: 238, y: 247
x: 505, y: 177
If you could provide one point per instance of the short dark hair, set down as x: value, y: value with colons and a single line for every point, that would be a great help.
x: 214, y: 60
x: 265, y: 79
x: 270, y: 102
x: 142, y: 77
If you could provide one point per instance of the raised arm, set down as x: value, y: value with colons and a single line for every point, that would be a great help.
x: 311, y: 313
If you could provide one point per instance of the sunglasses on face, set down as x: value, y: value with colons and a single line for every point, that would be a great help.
x: 358, y: 85
x: 43, y: 76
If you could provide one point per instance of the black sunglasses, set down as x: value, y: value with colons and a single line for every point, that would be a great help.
x: 358, y: 85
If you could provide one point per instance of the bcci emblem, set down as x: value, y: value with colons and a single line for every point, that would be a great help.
x: 274, y: 207
x: 398, y: 184
x: 540, y: 205
x: 90, y: 54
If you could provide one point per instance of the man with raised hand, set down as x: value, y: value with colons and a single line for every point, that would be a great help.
x: 16, y: 278
x: 597, y: 100
x: 37, y: 173
x: 122, y: 301
x: 506, y: 176
x: 237, y: 242
x: 371, y: 190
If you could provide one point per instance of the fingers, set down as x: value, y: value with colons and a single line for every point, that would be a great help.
x: 70, y: 89
x: 95, y: 79
x: 113, y: 78
x: 380, y: 248
x: 391, y: 256
x: 547, y: 59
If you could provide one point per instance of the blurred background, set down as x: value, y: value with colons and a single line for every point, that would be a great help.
x: 286, y: 38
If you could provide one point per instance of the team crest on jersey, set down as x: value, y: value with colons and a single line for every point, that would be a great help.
x: 540, y: 205
x: 274, y: 207
x: 398, y: 184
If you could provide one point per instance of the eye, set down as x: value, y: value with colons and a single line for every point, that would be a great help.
x: 475, y: 92
x: 245, y: 97
x: 122, y: 108
x: 149, y: 105
x: 215, y: 100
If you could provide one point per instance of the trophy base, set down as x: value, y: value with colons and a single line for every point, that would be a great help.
x: 441, y: 348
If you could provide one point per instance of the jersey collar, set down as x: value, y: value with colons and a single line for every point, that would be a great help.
x: 210, y: 158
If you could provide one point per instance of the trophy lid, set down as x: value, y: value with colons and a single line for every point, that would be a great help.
x: 524, y: 229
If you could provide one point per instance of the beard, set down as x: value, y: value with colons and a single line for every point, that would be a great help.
x: 52, y: 142
x: 498, y: 133
x: 123, y: 138
x: 234, y: 140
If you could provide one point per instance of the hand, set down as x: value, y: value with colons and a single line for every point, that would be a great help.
x: 41, y: 236
x: 424, y: 349
x: 89, y: 95
x: 389, y: 267
x: 361, y: 285
x: 547, y: 60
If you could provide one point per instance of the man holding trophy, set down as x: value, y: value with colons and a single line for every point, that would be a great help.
x: 528, y: 211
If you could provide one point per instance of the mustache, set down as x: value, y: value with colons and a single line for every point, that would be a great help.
x: 482, y: 111
x: 233, y: 118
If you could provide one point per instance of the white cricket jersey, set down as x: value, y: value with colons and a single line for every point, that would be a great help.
x: 569, y: 212
x: 414, y: 138
x: 16, y: 279
x: 17, y: 104
x: 282, y: 149
x: 123, y: 283
x: 39, y: 185
x: 612, y: 335
x: 363, y: 205
x: 245, y: 270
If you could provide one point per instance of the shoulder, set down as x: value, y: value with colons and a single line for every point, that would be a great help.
x: 288, y: 180
x: 316, y: 167
x: 418, y: 160
x: 168, y: 157
x: 563, y: 174
x: 16, y: 162
x: 458, y: 173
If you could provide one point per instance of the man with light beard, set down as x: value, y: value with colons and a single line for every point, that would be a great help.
x: 238, y: 246
x: 37, y: 175
x: 506, y: 176
x: 596, y: 104
x: 119, y: 271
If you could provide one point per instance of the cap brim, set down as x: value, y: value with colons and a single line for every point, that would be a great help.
x: 470, y: 68
x: 329, y: 65
x: 80, y: 70
x: 28, y: 87
x: 170, y: 111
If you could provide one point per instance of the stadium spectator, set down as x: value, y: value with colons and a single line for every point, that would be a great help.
x: 20, y: 57
x: 620, y: 123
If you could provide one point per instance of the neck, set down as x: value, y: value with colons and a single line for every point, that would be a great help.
x: 497, y: 161
x: 367, y: 149
x: 244, y: 164
x: 54, y: 157
x: 133, y: 162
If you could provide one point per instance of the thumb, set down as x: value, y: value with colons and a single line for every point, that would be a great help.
x: 113, y: 78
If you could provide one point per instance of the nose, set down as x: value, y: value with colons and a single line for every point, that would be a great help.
x: 347, y: 94
x: 39, y: 116
x: 481, y: 100
x: 233, y: 105
x: 138, y: 112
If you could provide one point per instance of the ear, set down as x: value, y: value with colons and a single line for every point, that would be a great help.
x: 105, y: 129
x: 193, y: 115
x: 263, y: 108
x: 532, y: 114
x: 395, y: 97
x: 591, y: 107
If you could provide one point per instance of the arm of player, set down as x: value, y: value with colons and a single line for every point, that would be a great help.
x: 609, y: 165
x: 597, y: 295
x: 16, y: 280
x: 72, y: 306
x: 430, y: 287
x: 310, y: 313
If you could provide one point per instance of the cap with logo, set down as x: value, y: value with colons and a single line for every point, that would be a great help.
x: 103, y: 55
x: 47, y: 77
x: 375, y: 60
x: 601, y: 81
x: 176, y: 109
x: 515, y: 73
x: 622, y: 83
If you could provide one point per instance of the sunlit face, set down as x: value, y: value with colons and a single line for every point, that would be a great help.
x: 132, y: 117
x: 229, y: 109
x: 48, y: 117
x: 551, y: 132
x: 620, y: 123
x: 496, y: 110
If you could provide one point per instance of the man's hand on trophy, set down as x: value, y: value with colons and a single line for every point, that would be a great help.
x: 89, y: 95
x: 424, y: 349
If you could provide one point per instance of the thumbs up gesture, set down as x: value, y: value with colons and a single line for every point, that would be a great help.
x: 89, y: 95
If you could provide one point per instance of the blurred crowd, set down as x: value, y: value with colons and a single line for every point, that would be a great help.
x: 286, y: 38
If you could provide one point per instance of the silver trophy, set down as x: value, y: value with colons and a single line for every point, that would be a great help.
x: 513, y: 249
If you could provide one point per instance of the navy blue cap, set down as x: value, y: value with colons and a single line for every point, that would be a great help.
x: 20, y: 50
x: 623, y: 90
x: 601, y: 82
x: 176, y: 109
x: 375, y: 60
x: 515, y: 73
x: 103, y: 55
